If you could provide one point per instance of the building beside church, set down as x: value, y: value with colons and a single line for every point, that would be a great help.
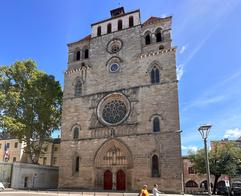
x: 12, y: 150
x: 120, y: 118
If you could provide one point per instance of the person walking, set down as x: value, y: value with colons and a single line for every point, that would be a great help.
x: 155, y: 190
x: 144, y: 191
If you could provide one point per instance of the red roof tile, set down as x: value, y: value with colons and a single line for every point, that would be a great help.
x: 152, y: 19
x: 88, y: 37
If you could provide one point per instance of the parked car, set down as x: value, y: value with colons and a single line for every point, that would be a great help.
x: 222, y: 190
x: 2, y: 188
x: 236, y: 188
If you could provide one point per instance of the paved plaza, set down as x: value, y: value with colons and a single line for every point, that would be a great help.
x: 12, y: 192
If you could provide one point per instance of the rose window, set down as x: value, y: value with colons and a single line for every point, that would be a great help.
x: 114, y: 46
x: 114, y: 67
x: 113, y: 109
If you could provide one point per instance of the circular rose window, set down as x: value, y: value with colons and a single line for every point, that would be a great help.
x: 113, y: 109
x: 114, y: 46
x: 114, y: 67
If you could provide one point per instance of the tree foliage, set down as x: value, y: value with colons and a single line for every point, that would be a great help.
x: 30, y: 105
x: 224, y: 158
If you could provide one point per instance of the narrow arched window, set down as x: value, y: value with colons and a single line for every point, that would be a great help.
x: 156, y: 125
x: 77, y: 58
x: 76, y: 133
x: 109, y: 28
x: 99, y: 31
x: 148, y: 39
x: 158, y: 36
x: 78, y: 88
x: 155, y: 166
x: 131, y: 21
x: 161, y: 47
x: 86, y: 54
x: 77, y: 164
x: 119, y: 24
x: 155, y: 75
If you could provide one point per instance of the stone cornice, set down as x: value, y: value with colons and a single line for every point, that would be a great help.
x: 123, y: 89
x: 129, y: 135
x: 159, y: 52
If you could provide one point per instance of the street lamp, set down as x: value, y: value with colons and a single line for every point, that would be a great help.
x: 204, y: 131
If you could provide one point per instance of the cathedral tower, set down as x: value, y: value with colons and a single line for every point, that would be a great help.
x: 120, y: 117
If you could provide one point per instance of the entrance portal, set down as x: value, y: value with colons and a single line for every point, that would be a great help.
x: 108, y: 180
x: 120, y: 180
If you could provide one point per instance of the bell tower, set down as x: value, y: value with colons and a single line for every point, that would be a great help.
x: 120, y: 108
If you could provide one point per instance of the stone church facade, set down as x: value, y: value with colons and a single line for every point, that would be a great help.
x: 120, y: 116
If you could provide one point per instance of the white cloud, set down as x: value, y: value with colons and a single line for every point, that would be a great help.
x: 209, y: 100
x: 182, y: 49
x: 164, y: 15
x: 232, y: 133
x: 180, y: 71
x: 192, y: 14
x: 190, y: 148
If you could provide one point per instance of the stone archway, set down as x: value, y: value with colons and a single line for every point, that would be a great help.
x: 113, y: 157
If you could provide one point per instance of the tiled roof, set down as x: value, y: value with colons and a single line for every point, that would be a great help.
x: 86, y: 38
x: 152, y: 19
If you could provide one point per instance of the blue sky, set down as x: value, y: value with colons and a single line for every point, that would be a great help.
x: 206, y: 32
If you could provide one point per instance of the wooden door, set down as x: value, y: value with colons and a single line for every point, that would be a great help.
x: 120, y: 180
x: 108, y: 180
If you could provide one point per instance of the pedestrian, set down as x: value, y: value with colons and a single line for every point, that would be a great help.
x: 155, y: 190
x: 144, y: 191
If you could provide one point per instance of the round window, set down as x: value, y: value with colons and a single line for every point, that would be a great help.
x: 114, y: 67
x: 114, y: 46
x: 113, y: 109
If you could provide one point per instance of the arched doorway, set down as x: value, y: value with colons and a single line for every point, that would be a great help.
x: 111, y: 157
x: 108, y: 180
x: 120, y: 180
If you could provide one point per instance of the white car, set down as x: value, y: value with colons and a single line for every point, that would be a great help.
x: 2, y: 188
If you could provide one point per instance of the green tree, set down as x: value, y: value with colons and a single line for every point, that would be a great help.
x: 224, y: 158
x: 30, y: 105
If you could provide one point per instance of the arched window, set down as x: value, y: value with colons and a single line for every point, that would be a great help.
x: 77, y: 57
x: 78, y: 88
x: 161, y: 47
x: 76, y: 133
x: 119, y: 24
x: 86, y: 54
x: 158, y: 36
x: 99, y: 31
x: 77, y: 164
x: 82, y: 65
x: 191, y: 183
x: 131, y: 21
x: 156, y: 125
x: 155, y: 75
x: 109, y: 28
x: 155, y: 166
x: 147, y: 39
x: 204, y: 185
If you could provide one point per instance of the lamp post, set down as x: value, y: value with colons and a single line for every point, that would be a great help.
x: 204, y: 131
